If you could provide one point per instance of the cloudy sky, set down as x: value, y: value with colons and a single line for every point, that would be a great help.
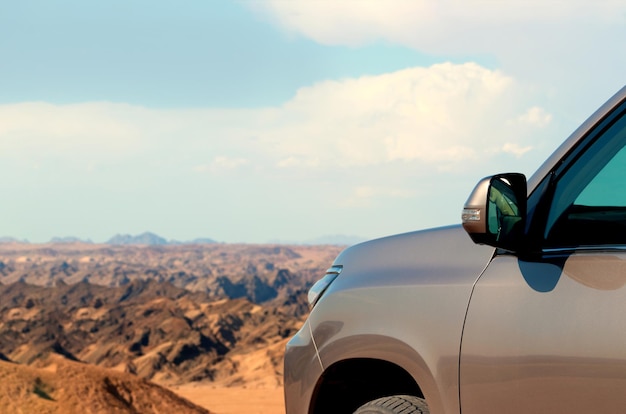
x: 256, y: 121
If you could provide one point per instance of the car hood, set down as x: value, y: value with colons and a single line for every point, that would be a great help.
x: 436, y: 256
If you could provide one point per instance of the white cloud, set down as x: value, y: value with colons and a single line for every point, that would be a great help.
x: 439, y: 116
x: 353, y: 149
x: 515, y: 149
x: 371, y: 192
x: 366, y: 194
x: 430, y: 25
x: 563, y: 45
x: 39, y: 128
x: 535, y: 116
x: 222, y: 163
x: 95, y: 133
x: 291, y: 162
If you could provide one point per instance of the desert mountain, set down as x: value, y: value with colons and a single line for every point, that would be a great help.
x: 170, y: 314
x: 92, y: 390
x: 259, y: 273
x: 144, y: 238
x: 152, y: 329
x: 69, y: 239
x: 150, y: 239
x: 6, y: 239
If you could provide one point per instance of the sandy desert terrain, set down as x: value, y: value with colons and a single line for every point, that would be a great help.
x: 234, y: 400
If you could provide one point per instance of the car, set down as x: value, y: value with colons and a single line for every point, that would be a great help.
x: 526, y: 315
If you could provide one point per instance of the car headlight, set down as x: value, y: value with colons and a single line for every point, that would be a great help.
x: 318, y: 289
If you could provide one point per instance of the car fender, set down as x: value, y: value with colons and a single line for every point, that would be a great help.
x: 403, y: 299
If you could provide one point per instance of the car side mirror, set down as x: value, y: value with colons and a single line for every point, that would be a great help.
x: 495, y: 212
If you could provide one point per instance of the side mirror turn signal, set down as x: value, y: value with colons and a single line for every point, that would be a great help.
x: 495, y: 212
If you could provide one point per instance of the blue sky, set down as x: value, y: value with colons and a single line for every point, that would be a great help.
x: 256, y: 121
x: 170, y: 54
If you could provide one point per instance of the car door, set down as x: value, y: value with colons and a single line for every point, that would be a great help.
x: 545, y: 331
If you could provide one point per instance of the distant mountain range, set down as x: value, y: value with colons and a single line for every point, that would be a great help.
x: 69, y: 240
x: 12, y: 240
x: 152, y: 239
x: 143, y: 238
x: 146, y: 238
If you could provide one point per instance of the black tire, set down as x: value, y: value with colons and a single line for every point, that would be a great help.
x: 395, y: 404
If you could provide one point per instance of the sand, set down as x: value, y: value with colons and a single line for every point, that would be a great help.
x: 234, y: 400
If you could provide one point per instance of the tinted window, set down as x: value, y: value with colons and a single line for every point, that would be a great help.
x: 589, y: 202
x: 607, y: 188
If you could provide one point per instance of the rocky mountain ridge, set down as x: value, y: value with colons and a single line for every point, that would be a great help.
x: 259, y: 273
x: 171, y: 314
x: 151, y: 329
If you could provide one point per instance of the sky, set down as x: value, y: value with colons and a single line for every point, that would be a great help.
x: 284, y: 120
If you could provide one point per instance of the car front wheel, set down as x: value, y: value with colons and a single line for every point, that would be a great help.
x: 395, y: 404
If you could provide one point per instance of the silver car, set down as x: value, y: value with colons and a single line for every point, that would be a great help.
x: 523, y: 316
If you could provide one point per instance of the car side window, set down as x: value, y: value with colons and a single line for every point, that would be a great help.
x: 589, y: 201
x: 607, y: 188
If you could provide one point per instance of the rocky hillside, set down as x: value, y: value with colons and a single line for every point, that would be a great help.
x: 170, y: 314
x: 152, y: 329
x: 71, y: 387
x: 259, y: 273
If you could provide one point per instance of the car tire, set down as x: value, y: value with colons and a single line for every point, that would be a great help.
x: 395, y: 404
